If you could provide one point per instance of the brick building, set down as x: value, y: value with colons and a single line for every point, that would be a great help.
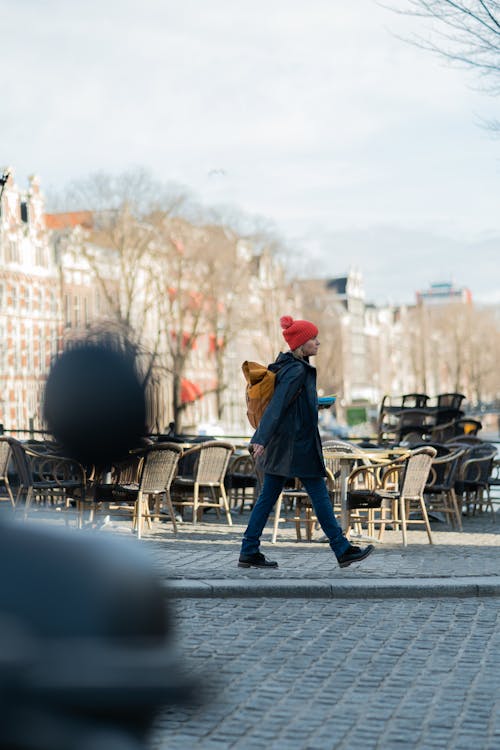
x: 30, y: 310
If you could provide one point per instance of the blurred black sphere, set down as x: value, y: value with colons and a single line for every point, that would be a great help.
x: 95, y: 403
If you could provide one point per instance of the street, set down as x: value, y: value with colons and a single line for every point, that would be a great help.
x: 298, y: 674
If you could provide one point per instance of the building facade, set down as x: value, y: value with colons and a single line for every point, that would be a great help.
x: 30, y: 305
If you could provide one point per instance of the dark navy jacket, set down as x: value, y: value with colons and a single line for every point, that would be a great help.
x: 288, y: 429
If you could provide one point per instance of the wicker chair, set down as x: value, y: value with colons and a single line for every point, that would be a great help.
x: 156, y: 472
x: 294, y: 497
x: 209, y: 472
x: 394, y: 505
x: 341, y: 446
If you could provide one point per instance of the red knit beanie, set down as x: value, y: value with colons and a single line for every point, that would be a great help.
x: 297, y: 332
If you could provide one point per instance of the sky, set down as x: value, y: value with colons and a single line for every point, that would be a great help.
x: 364, y: 151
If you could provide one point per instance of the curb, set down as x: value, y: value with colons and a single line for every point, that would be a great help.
x: 379, y: 588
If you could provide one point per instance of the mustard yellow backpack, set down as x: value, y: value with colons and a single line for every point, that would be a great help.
x: 259, y: 390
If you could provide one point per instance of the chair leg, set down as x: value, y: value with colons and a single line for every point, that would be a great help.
x: 277, y: 513
x: 456, y: 509
x: 371, y: 522
x: 196, y: 490
x: 309, y: 523
x: 383, y: 517
x: 147, y: 513
x: 9, y: 492
x: 138, y: 515
x: 426, y: 519
x: 170, y: 507
x: 402, y: 506
x: 297, y: 519
x: 27, y: 502
x: 489, y: 504
x: 226, y: 505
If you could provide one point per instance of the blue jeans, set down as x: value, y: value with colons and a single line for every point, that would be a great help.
x: 271, y: 489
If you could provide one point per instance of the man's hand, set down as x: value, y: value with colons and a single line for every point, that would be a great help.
x: 258, y: 450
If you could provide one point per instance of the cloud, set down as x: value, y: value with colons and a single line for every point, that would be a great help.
x: 396, y: 263
x: 320, y: 118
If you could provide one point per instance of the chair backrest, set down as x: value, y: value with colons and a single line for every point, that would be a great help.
x: 213, y: 460
x: 477, y: 465
x: 159, y: 467
x: 412, y: 418
x: 444, y: 469
x: 444, y: 431
x: 341, y: 446
x: 464, y: 440
x: 243, y: 465
x: 442, y: 449
x: 416, y: 472
x: 21, y: 462
x: 5, y: 456
x: 127, y: 471
x: 450, y: 400
x: 414, y: 400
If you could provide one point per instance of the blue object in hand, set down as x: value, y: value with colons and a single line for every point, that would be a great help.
x: 325, y: 401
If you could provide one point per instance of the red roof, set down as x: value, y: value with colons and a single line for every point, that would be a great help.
x: 69, y: 219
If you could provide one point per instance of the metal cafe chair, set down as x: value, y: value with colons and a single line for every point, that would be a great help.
x: 439, y: 491
x: 240, y: 481
x: 5, y: 466
x: 45, y: 479
x: 473, y: 477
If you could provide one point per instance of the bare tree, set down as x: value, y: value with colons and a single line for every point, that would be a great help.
x: 228, y: 282
x: 456, y: 348
x: 319, y: 305
x: 466, y: 32
x: 116, y: 243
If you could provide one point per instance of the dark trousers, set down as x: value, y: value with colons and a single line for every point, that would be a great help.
x: 317, y: 491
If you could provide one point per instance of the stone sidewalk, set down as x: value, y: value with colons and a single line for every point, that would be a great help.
x: 201, y: 561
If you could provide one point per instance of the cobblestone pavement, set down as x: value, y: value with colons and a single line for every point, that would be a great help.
x: 319, y: 675
x: 210, y: 550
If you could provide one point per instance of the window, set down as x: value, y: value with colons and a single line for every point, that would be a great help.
x: 67, y: 310
x: 29, y: 351
x: 25, y: 299
x: 41, y: 256
x: 76, y: 310
x: 53, y: 343
x: 41, y: 355
x: 3, y: 348
x: 12, y: 251
x: 53, y: 303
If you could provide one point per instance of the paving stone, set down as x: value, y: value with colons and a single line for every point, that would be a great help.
x: 330, y: 701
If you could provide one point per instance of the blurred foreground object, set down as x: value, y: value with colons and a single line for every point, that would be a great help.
x: 95, y: 403
x: 87, y: 652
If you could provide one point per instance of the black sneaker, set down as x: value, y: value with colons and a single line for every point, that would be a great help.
x: 257, y: 560
x: 354, y: 554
